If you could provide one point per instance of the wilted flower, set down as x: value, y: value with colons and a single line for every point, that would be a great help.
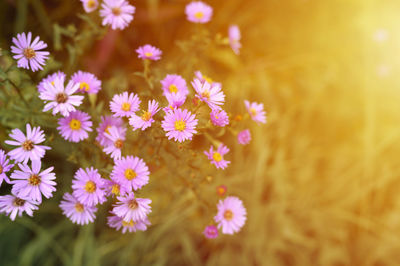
x: 211, y: 231
x: 76, y: 211
x: 146, y: 119
x: 221, y: 190
x: 149, y: 52
x: 212, y: 95
x: 88, y: 186
x: 217, y: 157
x: 219, y: 118
x: 130, y: 208
x: 231, y: 215
x: 256, y: 111
x: 13, y: 206
x: 234, y: 38
x: 124, y: 104
x: 244, y: 137
x: 75, y: 127
x: 131, y: 172
x: 198, y: 12
x: 90, y: 5
x: 117, y: 13
x: 88, y: 82
x: 179, y: 124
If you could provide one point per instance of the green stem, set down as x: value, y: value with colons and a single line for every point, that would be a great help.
x: 19, y: 92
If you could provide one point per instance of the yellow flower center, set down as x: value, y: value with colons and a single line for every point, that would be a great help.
x: 126, y: 107
x: 27, y: 145
x: 253, y: 111
x: 199, y: 15
x: 148, y: 54
x: 217, y: 156
x: 208, y: 79
x: 18, y: 202
x: 75, y: 124
x: 115, y: 189
x: 83, y: 86
x: 107, y: 129
x: 130, y: 174
x: 146, y: 116
x: 116, y: 11
x: 90, y: 186
x: 91, y: 4
x: 52, y: 83
x: 34, y: 180
x: 79, y: 207
x: 130, y: 223
x: 206, y: 94
x: 228, y: 215
x: 133, y: 205
x: 1, y: 169
x: 173, y: 88
x: 29, y: 53
x: 180, y: 125
x: 118, y: 143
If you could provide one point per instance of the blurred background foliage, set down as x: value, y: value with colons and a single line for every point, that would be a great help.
x: 320, y: 181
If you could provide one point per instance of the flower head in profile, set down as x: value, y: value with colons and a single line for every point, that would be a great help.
x: 88, y: 83
x: 28, y: 53
x: 117, y: 222
x: 5, y: 166
x: 217, y: 157
x: 75, y: 127
x: 76, y: 211
x: 51, y: 79
x: 88, y: 186
x: 208, y: 93
x: 173, y: 84
x: 203, y: 78
x: 146, y: 119
x: 131, y: 172
x: 130, y: 208
x: 231, y: 215
x: 13, y: 206
x: 219, y: 118
x: 124, y: 104
x: 60, y: 98
x: 256, y: 111
x: 149, y: 52
x: 210, y: 232
x: 179, y: 124
x: 117, y: 137
x: 27, y: 146
x: 198, y: 12
x: 104, y: 128
x: 117, y: 13
x: 234, y: 38
x: 90, y: 5
x: 113, y: 188
x: 244, y: 137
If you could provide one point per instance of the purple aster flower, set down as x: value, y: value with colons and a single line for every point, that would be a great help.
x: 203, y: 78
x: 88, y: 186
x: 60, y: 98
x: 244, y: 137
x: 13, y: 206
x: 149, y: 52
x: 76, y: 211
x: 117, y: 138
x: 231, y: 215
x: 27, y: 52
x: 131, y: 172
x: 90, y: 5
x: 198, y: 12
x: 219, y: 118
x: 211, y: 231
x: 174, y: 84
x: 113, y: 188
x: 88, y: 82
x: 51, y: 79
x: 179, y: 124
x: 124, y: 104
x: 146, y: 119
x: 175, y: 100
x: 31, y: 183
x: 212, y: 95
x: 131, y: 208
x: 5, y: 166
x: 117, y: 222
x: 256, y: 111
x: 106, y: 123
x: 117, y: 13
x: 217, y: 157
x: 234, y: 38
x: 27, y: 145
x: 75, y: 127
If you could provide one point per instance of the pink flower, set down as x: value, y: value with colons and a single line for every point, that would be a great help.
x: 198, y: 12
x: 173, y: 84
x: 88, y: 83
x: 217, y: 157
x: 13, y: 206
x: 175, y: 100
x: 117, y: 13
x: 51, y: 79
x: 179, y: 124
x: 124, y: 104
x: 219, y: 118
x: 131, y: 172
x: 117, y: 222
x: 256, y: 111
x: 76, y: 211
x: 146, y: 119
x: 27, y: 52
x: 244, y: 137
x: 75, y: 127
x: 88, y: 186
x: 130, y: 208
x: 212, y: 95
x: 203, y: 78
x: 234, y: 38
x: 211, y: 232
x: 31, y: 183
x: 27, y: 145
x: 90, y: 5
x: 106, y: 123
x: 231, y: 215
x: 5, y: 166
x: 117, y: 137
x: 113, y: 188
x: 149, y: 52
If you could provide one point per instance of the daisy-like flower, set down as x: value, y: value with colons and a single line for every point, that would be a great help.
x: 221, y: 190
x: 113, y: 188
x: 219, y: 118
x: 175, y: 100
x: 28, y: 148
x: 124, y: 104
x: 131, y: 172
x: 76, y: 211
x: 211, y: 231
x: 117, y: 13
x: 75, y: 127
x: 256, y: 111
x: 130, y: 208
x: 88, y: 82
x: 179, y: 124
x: 231, y: 215
x: 149, y: 52
x: 33, y: 183
x: 198, y: 12
x: 217, y: 157
x: 88, y: 186
x: 13, y: 206
x: 212, y: 95
x: 203, y: 78
x: 50, y: 79
x: 174, y: 84
x: 90, y: 5
x: 244, y: 137
x: 5, y: 166
x: 117, y: 222
x: 117, y: 138
x: 146, y: 119
x: 28, y: 53
x: 234, y: 38
x: 60, y: 98
x: 104, y: 126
